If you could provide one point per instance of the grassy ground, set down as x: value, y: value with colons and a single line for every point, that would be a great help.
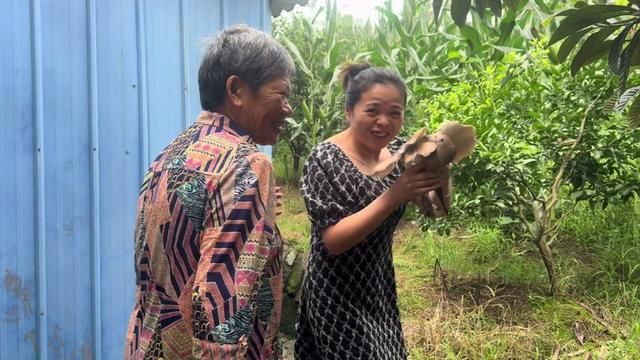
x: 475, y: 295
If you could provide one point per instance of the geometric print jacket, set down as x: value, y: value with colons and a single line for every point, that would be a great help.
x: 207, y: 250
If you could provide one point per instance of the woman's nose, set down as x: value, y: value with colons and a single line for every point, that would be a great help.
x: 286, y: 108
x: 384, y: 120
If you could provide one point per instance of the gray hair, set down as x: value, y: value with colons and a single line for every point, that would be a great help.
x: 252, y: 55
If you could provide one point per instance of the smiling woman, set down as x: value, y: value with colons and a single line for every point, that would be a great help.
x: 208, y: 253
x: 349, y: 304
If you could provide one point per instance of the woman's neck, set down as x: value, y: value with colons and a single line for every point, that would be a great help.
x: 348, y: 142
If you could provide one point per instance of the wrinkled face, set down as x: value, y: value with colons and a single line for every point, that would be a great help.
x: 266, y: 110
x: 377, y: 117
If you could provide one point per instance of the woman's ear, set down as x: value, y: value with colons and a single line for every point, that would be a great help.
x: 236, y: 90
x: 347, y: 115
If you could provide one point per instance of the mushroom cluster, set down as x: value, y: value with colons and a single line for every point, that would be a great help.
x: 452, y: 142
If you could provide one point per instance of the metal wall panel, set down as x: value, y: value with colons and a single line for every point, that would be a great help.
x: 18, y: 296
x: 90, y: 92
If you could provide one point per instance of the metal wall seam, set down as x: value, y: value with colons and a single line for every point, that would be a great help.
x: 41, y: 238
x: 96, y: 263
x: 184, y: 33
x: 143, y: 99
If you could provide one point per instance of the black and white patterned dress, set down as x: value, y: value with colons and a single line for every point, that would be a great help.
x: 349, y: 306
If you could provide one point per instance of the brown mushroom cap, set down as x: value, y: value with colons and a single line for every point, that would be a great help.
x: 452, y: 142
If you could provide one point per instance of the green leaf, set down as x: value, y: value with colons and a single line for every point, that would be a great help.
x: 297, y: 56
x: 393, y: 18
x: 480, y: 6
x: 307, y: 27
x: 382, y: 41
x: 635, y: 58
x: 471, y: 34
x: 315, y: 16
x: 362, y: 55
x: 569, y: 44
x: 627, y: 96
x: 610, y: 103
x: 331, y: 59
x: 541, y: 4
x: 291, y: 121
x: 505, y: 220
x: 586, y: 16
x: 437, y: 7
x: 595, y: 47
x: 414, y: 56
x: 331, y: 23
x: 496, y: 7
x: 512, y: 4
x: 615, y: 61
x: 459, y: 11
x: 308, y: 113
x: 505, y: 49
x: 634, y: 112
x: 506, y: 27
x: 563, y: 13
x: 578, y: 195
x: 626, y: 56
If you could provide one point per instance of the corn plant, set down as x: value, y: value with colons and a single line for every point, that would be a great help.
x: 318, y: 46
x: 433, y: 52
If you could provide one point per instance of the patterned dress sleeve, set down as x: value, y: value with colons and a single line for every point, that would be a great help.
x: 320, y: 188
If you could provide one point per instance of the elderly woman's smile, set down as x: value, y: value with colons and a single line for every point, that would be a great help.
x: 267, y: 110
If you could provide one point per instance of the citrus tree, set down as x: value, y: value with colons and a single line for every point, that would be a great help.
x: 545, y: 144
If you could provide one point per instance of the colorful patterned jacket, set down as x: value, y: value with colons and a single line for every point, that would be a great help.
x: 207, y: 250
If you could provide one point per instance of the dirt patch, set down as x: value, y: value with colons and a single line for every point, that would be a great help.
x: 505, y: 303
x: 472, y: 314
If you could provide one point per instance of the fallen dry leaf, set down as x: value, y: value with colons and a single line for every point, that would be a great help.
x: 578, y: 330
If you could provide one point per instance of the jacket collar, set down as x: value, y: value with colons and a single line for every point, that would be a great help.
x: 222, y: 123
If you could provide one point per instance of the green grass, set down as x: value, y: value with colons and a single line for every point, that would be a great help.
x: 293, y: 222
x: 487, y: 300
x: 491, y: 302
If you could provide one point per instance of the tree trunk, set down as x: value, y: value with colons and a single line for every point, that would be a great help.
x: 296, y: 167
x: 547, y: 258
x: 541, y: 214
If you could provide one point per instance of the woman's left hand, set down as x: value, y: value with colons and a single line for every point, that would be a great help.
x: 279, y: 197
x: 444, y: 174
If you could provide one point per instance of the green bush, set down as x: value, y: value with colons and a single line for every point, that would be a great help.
x: 546, y: 141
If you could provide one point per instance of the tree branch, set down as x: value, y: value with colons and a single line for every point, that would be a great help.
x: 558, y: 181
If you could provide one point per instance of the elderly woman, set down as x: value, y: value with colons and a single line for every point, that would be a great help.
x: 208, y: 253
x: 348, y: 307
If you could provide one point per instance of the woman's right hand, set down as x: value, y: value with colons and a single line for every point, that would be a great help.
x: 351, y: 230
x: 417, y: 181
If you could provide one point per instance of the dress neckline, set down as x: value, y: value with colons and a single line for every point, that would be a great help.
x: 348, y: 159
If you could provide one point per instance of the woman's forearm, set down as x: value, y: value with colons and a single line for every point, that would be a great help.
x: 354, y: 228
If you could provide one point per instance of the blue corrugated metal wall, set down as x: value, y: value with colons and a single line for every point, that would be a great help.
x: 89, y: 91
